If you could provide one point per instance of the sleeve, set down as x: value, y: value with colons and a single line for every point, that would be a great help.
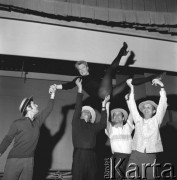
x: 162, y: 106
x: 130, y: 122
x: 130, y: 118
x: 45, y: 113
x: 78, y: 108
x: 103, y: 121
x: 108, y: 129
x: 133, y: 108
x: 8, y: 138
x: 69, y: 85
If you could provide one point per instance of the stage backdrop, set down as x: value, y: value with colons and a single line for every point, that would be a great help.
x: 59, y: 42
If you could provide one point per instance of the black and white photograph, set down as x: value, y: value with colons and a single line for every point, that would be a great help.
x: 88, y: 89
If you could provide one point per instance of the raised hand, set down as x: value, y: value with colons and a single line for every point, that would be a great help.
x: 52, y: 89
x: 106, y: 99
x: 127, y: 97
x: 157, y: 82
x: 79, y: 84
x: 129, y: 82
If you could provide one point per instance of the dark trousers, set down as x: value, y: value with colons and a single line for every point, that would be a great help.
x: 139, y: 160
x: 119, y: 164
x: 18, y: 169
x: 84, y: 165
x: 106, y: 87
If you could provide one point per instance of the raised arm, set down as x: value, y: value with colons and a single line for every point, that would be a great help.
x: 162, y: 106
x: 107, y: 130
x: 103, y: 121
x: 45, y: 113
x: 132, y: 104
x: 130, y: 118
x: 68, y: 85
x: 78, y: 106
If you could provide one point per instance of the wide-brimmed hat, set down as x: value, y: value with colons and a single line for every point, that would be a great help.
x: 141, y: 105
x: 25, y: 102
x: 124, y: 112
x: 92, y: 111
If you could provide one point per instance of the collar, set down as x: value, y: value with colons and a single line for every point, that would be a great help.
x: 117, y: 125
x: 28, y: 118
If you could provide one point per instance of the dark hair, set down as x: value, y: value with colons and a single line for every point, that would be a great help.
x: 25, y: 111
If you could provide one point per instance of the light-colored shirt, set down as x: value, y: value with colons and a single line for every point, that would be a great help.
x: 147, y: 136
x: 120, y: 137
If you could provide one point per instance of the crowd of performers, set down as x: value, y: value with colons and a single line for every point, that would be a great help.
x: 140, y: 148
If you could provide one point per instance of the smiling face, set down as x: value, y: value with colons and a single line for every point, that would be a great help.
x: 83, y: 69
x: 86, y: 115
x: 148, y: 111
x: 117, y: 117
x: 33, y: 108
